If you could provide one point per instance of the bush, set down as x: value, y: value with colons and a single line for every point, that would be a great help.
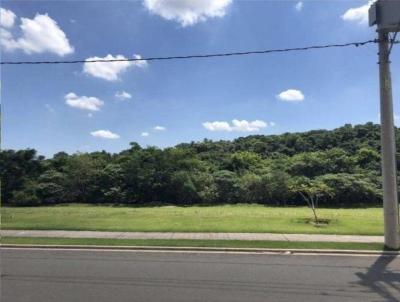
x: 27, y: 196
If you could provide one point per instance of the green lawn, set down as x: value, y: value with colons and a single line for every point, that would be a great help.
x: 228, y: 218
x: 193, y: 243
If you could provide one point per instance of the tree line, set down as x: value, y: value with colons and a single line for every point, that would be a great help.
x: 340, y: 167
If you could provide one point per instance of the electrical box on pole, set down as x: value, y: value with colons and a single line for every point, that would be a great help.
x: 385, y: 14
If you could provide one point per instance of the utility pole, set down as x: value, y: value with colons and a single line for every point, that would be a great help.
x: 386, y: 14
x: 389, y: 171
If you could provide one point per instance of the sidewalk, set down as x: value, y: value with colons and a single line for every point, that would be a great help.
x: 198, y: 236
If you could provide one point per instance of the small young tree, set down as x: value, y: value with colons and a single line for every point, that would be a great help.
x: 311, y: 190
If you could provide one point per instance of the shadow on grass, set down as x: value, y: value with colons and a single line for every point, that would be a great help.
x: 381, y: 279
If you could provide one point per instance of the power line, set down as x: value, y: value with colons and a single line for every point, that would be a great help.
x: 356, y: 44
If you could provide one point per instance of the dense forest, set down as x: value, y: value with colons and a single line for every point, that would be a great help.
x: 340, y: 167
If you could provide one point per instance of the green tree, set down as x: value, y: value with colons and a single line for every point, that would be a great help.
x: 227, y: 186
x: 81, y: 173
x: 51, y: 187
x: 352, y: 189
x: 311, y: 190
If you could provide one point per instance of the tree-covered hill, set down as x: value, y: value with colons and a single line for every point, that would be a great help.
x: 349, y: 138
x: 340, y: 167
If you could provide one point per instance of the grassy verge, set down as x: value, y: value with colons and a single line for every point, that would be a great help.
x: 228, y: 218
x: 193, y: 243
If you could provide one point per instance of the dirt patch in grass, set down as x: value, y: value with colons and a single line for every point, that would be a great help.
x: 321, y: 222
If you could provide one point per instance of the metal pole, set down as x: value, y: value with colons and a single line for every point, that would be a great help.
x: 389, y: 173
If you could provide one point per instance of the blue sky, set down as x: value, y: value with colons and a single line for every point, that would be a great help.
x: 76, y: 108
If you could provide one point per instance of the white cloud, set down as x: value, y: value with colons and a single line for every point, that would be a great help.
x: 145, y: 134
x: 5, y: 36
x: 7, y: 18
x: 291, y: 95
x: 38, y: 35
x: 83, y: 102
x: 358, y: 14
x: 106, y: 71
x: 299, y: 6
x: 6, y: 39
x: 245, y: 126
x: 159, y: 128
x: 188, y: 12
x: 236, y: 125
x: 217, y: 126
x: 105, y: 134
x: 141, y: 63
x: 123, y: 95
x: 111, y: 71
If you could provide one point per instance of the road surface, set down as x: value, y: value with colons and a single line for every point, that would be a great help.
x: 85, y: 276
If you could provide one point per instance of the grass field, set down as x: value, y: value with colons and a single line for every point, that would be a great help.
x: 193, y: 243
x: 228, y: 218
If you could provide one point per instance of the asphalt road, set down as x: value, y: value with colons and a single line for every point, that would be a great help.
x: 75, y: 276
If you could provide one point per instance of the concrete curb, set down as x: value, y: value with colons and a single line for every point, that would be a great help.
x: 205, y: 249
